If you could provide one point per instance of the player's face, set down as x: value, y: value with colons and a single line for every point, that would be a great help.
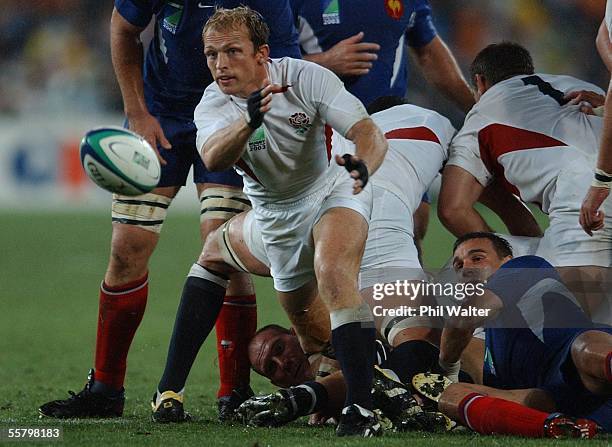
x: 280, y: 358
x: 235, y: 65
x: 476, y: 260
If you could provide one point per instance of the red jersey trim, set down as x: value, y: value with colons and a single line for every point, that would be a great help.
x: 245, y: 168
x: 328, y: 141
x: 496, y: 140
x: 413, y: 133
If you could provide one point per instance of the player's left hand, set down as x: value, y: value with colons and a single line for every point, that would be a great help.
x: 591, y: 217
x: 271, y: 410
x: 587, y: 100
x: 356, y: 168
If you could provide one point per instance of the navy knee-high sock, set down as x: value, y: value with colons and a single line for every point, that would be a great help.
x: 200, y: 305
x: 412, y: 357
x: 354, y: 345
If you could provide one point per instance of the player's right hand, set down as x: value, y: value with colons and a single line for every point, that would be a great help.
x: 587, y: 100
x: 351, y: 56
x: 591, y: 217
x: 147, y: 126
x: 271, y: 410
x: 258, y: 103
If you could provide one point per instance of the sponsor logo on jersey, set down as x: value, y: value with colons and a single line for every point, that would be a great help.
x: 331, y: 12
x: 301, y: 122
x: 257, y: 141
x: 171, y: 21
x: 394, y: 8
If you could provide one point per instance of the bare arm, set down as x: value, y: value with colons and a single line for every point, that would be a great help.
x: 225, y: 147
x: 604, y: 46
x: 453, y: 343
x: 458, y: 194
x: 441, y: 70
x: 421, y: 221
x: 371, y: 147
x: 604, y: 161
x: 514, y: 213
x: 127, y: 58
x: 591, y: 217
x: 458, y: 331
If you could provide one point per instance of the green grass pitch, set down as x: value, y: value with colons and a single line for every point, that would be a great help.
x: 50, y: 269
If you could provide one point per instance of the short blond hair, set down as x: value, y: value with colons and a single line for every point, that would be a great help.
x: 228, y: 19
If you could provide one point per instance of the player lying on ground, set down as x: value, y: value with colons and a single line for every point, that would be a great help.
x: 275, y: 353
x: 542, y: 355
x: 418, y: 140
x: 523, y: 134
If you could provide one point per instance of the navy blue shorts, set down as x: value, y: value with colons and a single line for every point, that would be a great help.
x: 571, y: 397
x: 182, y: 135
x: 561, y: 379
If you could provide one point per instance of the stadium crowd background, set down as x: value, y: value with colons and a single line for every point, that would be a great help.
x: 56, y: 56
x: 57, y: 80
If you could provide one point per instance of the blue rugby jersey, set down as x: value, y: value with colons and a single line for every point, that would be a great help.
x: 390, y: 23
x: 539, y: 318
x: 175, y: 71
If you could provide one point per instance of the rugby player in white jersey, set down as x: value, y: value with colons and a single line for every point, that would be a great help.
x: 592, y: 215
x: 523, y: 133
x: 311, y: 215
x: 418, y: 145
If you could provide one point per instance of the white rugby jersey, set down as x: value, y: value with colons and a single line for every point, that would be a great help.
x: 522, y: 132
x: 418, y: 146
x: 287, y: 157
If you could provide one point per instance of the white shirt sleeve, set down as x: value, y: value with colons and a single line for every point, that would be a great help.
x: 465, y: 153
x: 209, y: 115
x: 336, y: 106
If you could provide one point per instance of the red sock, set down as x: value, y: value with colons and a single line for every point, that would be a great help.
x: 121, y: 310
x: 236, y: 326
x: 608, y: 367
x: 490, y: 415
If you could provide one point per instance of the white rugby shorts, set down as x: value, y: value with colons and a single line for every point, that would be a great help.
x: 390, y: 253
x: 565, y: 244
x: 280, y: 235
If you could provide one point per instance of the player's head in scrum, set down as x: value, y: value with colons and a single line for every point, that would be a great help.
x: 498, y: 62
x: 476, y: 256
x: 236, y: 50
x: 275, y: 353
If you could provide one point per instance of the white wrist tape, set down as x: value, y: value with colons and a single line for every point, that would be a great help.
x: 451, y: 369
x: 601, y: 179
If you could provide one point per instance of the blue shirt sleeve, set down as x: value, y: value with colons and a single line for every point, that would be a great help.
x: 517, y: 276
x: 137, y: 12
x: 283, y: 35
x: 422, y: 31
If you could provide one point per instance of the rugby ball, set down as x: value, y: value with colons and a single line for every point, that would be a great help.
x: 120, y: 161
